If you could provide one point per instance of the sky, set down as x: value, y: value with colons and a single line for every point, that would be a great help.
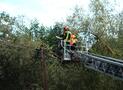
x: 46, y: 12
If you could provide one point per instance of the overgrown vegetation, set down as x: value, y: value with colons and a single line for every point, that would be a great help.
x: 19, y: 70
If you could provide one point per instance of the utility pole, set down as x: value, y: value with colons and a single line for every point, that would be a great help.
x: 44, y: 71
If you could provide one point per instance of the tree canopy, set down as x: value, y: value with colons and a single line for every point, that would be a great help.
x: 21, y: 69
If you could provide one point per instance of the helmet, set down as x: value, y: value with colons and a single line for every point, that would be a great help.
x: 66, y: 28
x: 73, y: 36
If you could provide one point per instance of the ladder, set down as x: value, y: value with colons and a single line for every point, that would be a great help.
x: 107, y: 65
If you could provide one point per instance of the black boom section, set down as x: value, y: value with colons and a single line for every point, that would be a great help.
x: 110, y: 66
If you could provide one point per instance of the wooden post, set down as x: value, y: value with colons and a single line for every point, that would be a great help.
x: 44, y: 72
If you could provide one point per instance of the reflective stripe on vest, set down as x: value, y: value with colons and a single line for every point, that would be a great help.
x: 68, y: 33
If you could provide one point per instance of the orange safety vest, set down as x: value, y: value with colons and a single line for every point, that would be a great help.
x: 73, y: 39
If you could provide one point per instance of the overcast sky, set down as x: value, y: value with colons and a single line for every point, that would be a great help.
x: 46, y: 11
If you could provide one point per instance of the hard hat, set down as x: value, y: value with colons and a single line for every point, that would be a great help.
x: 66, y: 28
x: 73, y: 36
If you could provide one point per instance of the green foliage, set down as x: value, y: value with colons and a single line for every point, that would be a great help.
x: 19, y: 70
x: 51, y: 39
x: 12, y: 63
x: 6, y: 23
